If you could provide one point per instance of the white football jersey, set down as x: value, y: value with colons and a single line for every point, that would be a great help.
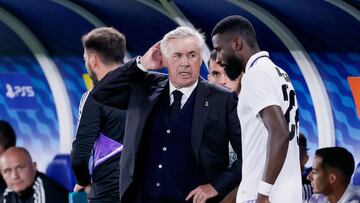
x: 264, y: 84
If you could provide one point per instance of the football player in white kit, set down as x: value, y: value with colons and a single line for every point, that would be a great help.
x: 268, y: 112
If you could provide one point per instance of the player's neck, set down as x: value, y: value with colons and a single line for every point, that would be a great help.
x: 105, y: 70
x: 248, y: 54
x: 337, y: 193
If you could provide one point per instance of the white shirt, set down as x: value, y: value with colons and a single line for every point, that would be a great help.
x: 186, y: 91
x: 81, y: 106
x: 351, y: 195
x: 263, y: 85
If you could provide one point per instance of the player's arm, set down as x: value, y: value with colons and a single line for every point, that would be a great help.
x: 278, y: 142
x: 86, y: 135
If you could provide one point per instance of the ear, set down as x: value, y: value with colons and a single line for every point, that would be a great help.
x: 238, y: 43
x: 94, y: 61
x: 332, y: 178
x: 304, y: 159
x: 164, y: 61
x: 33, y: 166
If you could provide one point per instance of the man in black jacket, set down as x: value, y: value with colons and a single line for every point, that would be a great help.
x: 24, y: 183
x: 178, y: 126
x: 100, y: 130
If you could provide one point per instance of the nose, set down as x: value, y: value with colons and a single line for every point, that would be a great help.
x: 309, y: 177
x: 218, y: 58
x: 223, y: 80
x: 185, y: 61
x: 14, y: 174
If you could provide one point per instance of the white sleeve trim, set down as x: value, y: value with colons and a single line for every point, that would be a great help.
x: 139, y: 65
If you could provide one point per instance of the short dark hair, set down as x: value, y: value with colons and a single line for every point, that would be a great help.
x: 212, y: 56
x: 107, y: 42
x: 237, y: 25
x: 7, y: 135
x: 338, y: 158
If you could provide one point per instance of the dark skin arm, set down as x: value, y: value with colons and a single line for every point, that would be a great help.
x: 278, y: 142
x: 231, y: 197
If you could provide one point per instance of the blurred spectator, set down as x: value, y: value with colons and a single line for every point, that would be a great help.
x: 24, y: 183
x: 218, y: 76
x: 330, y: 176
x: 7, y: 139
x: 304, y: 157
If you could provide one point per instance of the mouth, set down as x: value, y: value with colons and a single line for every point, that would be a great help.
x: 312, y: 185
x: 184, y: 74
x: 16, y: 182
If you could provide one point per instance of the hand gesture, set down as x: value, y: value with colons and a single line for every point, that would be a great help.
x: 152, y: 59
x: 79, y: 188
x: 202, y: 193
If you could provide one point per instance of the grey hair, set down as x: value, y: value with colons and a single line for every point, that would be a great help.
x: 181, y: 33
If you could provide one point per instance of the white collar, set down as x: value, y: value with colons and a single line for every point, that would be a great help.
x: 185, y: 90
x: 345, y: 196
x: 255, y: 57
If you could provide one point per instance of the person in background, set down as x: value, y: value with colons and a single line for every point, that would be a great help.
x: 218, y: 76
x: 268, y: 112
x: 100, y: 130
x: 330, y: 176
x: 24, y: 183
x: 7, y: 140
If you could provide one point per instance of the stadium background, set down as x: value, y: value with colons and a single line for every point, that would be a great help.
x: 41, y: 59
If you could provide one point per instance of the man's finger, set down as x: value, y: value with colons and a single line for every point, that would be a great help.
x: 87, y: 189
x: 202, y: 198
x: 190, y: 194
x: 78, y: 188
x: 196, y: 197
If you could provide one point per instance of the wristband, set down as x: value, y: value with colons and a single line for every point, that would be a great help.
x: 265, y: 188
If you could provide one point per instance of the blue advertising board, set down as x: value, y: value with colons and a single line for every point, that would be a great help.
x: 19, y: 91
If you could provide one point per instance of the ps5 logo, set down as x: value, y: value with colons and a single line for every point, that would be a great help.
x: 19, y: 91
